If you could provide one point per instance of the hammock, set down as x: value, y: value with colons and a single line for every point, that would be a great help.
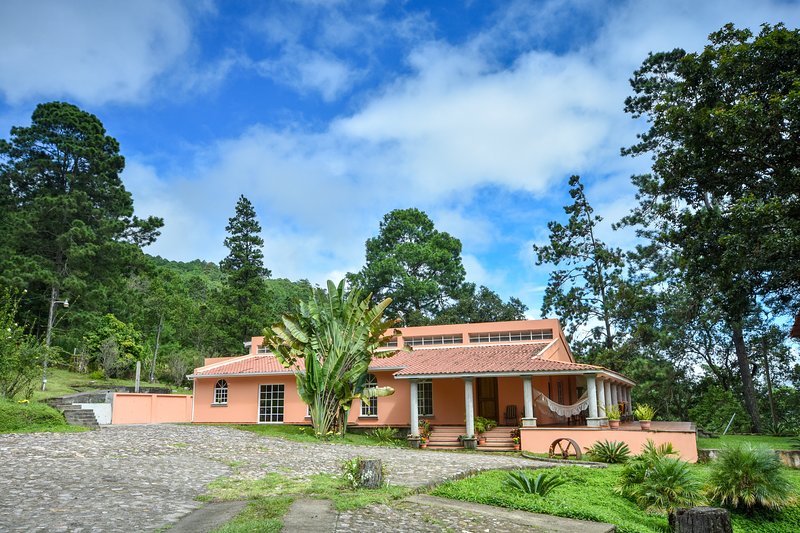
x: 564, y: 410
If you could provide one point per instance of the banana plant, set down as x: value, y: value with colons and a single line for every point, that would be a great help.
x: 335, y: 334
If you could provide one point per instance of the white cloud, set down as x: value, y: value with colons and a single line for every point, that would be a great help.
x: 92, y: 51
x: 459, y: 120
x: 306, y: 70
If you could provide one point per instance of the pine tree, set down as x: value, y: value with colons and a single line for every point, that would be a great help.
x: 244, y: 272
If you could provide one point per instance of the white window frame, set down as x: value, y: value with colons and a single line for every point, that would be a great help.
x: 220, y: 393
x: 271, y: 392
x: 369, y: 406
x: 422, y: 386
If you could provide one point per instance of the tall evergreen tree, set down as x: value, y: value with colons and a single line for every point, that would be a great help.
x: 584, y: 288
x: 414, y: 264
x: 67, y: 225
x: 245, y: 272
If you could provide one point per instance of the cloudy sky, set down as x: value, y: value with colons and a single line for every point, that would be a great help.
x: 329, y: 114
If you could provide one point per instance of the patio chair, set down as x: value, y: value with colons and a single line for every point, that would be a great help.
x: 511, y: 415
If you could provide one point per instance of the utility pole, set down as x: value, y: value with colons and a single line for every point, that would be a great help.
x: 50, y: 319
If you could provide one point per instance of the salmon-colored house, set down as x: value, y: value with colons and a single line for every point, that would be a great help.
x: 520, y: 374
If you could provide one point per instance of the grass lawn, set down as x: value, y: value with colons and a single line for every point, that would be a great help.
x: 305, y: 434
x: 31, y: 417
x: 760, y: 441
x: 589, y: 495
x: 61, y: 382
x: 270, y: 497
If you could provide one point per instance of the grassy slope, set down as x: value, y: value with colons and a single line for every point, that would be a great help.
x: 61, y: 382
x: 589, y: 495
x: 29, y: 417
x: 761, y: 441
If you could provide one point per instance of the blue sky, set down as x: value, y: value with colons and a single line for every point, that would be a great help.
x: 329, y: 114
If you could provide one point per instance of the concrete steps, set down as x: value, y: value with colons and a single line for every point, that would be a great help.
x: 446, y: 437
x: 498, y: 440
x: 74, y: 414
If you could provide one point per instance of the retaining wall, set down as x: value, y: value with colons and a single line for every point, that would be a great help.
x: 132, y: 408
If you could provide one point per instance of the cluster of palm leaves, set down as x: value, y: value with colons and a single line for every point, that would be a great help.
x: 609, y: 451
x: 658, y: 482
x: 745, y: 477
x: 335, y: 334
x: 540, y: 484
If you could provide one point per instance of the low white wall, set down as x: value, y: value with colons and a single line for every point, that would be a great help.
x: 102, y: 411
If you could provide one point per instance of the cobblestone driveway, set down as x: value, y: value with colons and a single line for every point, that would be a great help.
x: 139, y: 478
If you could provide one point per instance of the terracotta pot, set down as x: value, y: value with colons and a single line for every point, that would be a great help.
x: 423, y: 444
x: 645, y: 424
x: 481, y: 440
x: 613, y: 424
x: 516, y: 447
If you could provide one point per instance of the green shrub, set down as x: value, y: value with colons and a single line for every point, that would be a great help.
x: 657, y: 482
x: 660, y: 483
x: 16, y: 416
x: 609, y: 452
x: 778, y: 429
x: 384, y: 435
x: 794, y: 443
x: 714, y: 411
x: 747, y: 478
x: 540, y: 484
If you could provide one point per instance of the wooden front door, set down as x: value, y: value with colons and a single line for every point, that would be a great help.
x: 487, y: 399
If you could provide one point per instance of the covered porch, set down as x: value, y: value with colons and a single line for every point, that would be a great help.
x: 570, y: 397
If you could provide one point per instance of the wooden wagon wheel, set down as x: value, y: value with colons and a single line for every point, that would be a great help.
x: 565, y: 447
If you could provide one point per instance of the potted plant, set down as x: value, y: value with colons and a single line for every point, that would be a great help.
x: 479, y: 423
x: 613, y: 415
x: 645, y: 414
x: 515, y: 438
x: 424, y: 433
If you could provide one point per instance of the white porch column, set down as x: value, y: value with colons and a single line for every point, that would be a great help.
x: 469, y: 441
x: 527, y: 393
x: 591, y: 391
x: 628, y: 399
x: 414, y: 410
x: 607, y: 390
x: 601, y: 398
x: 615, y: 394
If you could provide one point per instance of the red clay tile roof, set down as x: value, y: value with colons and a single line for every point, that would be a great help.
x: 424, y: 362
x: 247, y: 364
x: 485, y: 359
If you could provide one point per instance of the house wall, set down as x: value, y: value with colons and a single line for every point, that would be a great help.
x: 242, y: 406
x: 394, y: 410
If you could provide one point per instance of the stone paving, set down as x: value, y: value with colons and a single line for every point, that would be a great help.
x: 140, y: 478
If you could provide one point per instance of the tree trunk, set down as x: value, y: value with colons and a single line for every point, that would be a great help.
x: 370, y: 473
x: 700, y: 520
x: 750, y: 400
x: 155, y: 351
x: 765, y: 353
